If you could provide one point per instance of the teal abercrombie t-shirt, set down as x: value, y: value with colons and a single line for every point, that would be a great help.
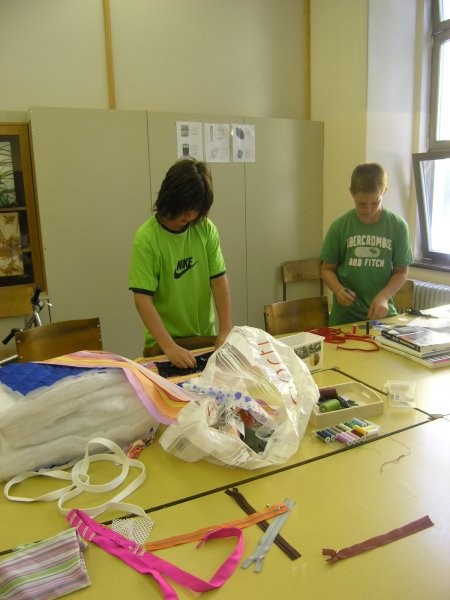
x: 366, y: 255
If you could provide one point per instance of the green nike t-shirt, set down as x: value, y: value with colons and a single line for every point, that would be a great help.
x: 175, y: 268
x: 365, y: 255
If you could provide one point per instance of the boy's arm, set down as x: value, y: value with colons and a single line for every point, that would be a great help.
x: 379, y: 307
x: 177, y: 355
x: 222, y: 301
x: 343, y: 295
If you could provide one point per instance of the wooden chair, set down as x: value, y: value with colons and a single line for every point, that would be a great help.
x: 291, y: 316
x: 56, y: 339
x: 404, y: 298
x: 191, y: 343
x: 307, y: 269
x: 15, y: 301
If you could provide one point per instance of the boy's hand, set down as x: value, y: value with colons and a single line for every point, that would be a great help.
x: 379, y: 308
x: 180, y: 357
x: 345, y: 297
x: 221, y: 338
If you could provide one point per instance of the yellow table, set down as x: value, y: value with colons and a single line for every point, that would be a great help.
x: 340, y: 501
x: 325, y: 481
x: 171, y: 480
x: 376, y: 368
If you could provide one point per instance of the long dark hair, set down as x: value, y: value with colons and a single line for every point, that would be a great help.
x: 186, y: 186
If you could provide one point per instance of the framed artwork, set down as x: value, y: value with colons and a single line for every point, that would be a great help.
x: 21, y: 259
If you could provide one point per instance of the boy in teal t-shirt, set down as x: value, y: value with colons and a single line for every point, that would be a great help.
x: 177, y: 268
x: 366, y: 252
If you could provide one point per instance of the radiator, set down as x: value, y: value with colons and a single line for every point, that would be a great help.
x: 428, y: 294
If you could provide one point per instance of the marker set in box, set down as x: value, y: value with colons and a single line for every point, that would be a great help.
x: 354, y: 431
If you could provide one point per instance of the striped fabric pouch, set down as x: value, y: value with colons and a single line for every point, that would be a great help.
x: 45, y: 570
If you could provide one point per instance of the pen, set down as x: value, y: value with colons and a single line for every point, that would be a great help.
x: 356, y: 301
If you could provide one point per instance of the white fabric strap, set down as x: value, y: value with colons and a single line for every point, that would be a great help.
x: 80, y: 481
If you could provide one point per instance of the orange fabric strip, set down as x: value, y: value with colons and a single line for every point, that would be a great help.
x: 195, y: 536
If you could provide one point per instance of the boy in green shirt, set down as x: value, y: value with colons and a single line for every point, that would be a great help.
x: 366, y: 252
x: 177, y: 267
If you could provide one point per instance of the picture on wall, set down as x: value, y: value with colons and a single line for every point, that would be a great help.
x: 7, y: 185
x: 20, y: 247
x: 11, y: 261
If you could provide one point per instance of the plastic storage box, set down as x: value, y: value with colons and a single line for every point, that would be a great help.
x: 401, y: 394
x: 368, y: 403
x: 308, y: 346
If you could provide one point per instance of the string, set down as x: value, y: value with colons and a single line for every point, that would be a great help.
x: 398, y: 459
x: 335, y: 335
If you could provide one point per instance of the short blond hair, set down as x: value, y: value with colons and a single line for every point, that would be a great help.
x: 368, y: 178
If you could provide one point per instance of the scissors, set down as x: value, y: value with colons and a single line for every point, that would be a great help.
x: 418, y: 313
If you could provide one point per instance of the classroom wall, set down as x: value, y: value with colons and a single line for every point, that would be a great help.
x: 367, y: 87
x: 228, y: 57
x: 371, y: 79
x: 339, y: 64
x: 244, y: 58
x: 192, y: 57
x: 98, y: 173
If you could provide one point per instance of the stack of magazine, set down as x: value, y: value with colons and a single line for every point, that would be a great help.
x: 429, y: 347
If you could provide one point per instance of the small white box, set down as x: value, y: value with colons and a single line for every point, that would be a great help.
x: 401, y: 394
x: 308, y: 346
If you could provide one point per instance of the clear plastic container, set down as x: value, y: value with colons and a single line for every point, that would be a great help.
x: 401, y: 394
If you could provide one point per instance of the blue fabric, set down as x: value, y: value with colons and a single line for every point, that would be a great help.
x: 26, y: 377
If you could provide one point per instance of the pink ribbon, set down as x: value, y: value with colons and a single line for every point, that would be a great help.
x: 150, y: 564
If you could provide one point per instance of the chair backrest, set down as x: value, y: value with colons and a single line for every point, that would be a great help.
x: 404, y: 298
x: 56, y: 339
x: 291, y: 316
x: 307, y: 269
x: 191, y: 343
x: 15, y: 301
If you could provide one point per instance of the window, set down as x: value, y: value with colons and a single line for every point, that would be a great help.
x: 20, y: 246
x: 439, y: 134
x: 432, y: 178
x: 432, y: 168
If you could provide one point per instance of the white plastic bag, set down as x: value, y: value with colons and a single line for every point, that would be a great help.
x: 250, y: 370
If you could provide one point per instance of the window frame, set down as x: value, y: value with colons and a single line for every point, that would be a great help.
x: 440, y: 34
x: 433, y: 142
x: 436, y: 258
x: 437, y: 149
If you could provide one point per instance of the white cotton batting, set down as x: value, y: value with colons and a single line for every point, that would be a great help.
x: 50, y: 426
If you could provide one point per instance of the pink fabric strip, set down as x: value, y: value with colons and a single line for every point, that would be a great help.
x: 148, y: 563
x: 161, y: 397
x: 380, y: 540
